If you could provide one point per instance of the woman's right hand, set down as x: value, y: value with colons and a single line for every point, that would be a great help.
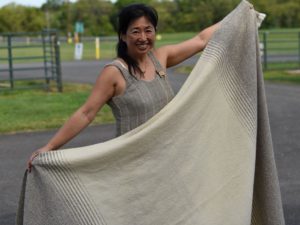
x: 35, y: 154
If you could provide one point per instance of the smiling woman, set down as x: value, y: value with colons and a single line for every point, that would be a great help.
x: 135, y: 85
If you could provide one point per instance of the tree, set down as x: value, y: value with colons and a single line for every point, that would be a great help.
x: 94, y: 15
x: 16, y: 18
x: 53, y: 4
x: 100, y: 16
x: 286, y: 14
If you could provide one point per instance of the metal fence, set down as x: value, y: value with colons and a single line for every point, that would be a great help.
x: 37, y: 55
x: 42, y: 48
x: 280, y: 50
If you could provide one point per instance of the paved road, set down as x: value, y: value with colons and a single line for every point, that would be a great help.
x: 284, y: 111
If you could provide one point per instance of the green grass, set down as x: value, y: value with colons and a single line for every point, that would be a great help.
x: 172, y: 38
x: 270, y: 75
x: 282, y: 76
x: 107, y: 51
x: 28, y: 110
x: 283, y: 66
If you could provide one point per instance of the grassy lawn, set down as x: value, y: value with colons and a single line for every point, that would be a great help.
x: 283, y: 66
x: 28, y: 110
x: 282, y: 76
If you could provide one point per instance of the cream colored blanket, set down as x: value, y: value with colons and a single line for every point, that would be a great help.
x: 205, y: 159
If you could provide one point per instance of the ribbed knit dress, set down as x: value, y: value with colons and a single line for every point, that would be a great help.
x: 142, y: 99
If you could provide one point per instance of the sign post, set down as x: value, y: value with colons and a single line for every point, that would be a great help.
x: 79, y: 29
x: 97, y: 43
x: 78, y: 51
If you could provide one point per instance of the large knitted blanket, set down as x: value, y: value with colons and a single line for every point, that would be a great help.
x: 205, y: 159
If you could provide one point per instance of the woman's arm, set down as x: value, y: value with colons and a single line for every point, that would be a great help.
x: 103, y: 90
x: 172, y: 55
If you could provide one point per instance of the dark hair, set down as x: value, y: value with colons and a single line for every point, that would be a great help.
x: 126, y: 16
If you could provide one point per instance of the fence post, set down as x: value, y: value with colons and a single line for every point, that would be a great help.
x: 265, y: 50
x: 57, y: 62
x: 45, y: 59
x: 299, y: 49
x: 10, y: 63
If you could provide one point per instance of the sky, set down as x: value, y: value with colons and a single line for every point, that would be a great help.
x: 36, y: 3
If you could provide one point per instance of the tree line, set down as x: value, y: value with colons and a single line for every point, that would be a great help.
x: 99, y: 16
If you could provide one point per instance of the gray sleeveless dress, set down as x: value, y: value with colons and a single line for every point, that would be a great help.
x: 141, y: 99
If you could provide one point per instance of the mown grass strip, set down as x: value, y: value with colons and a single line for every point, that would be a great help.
x: 28, y: 110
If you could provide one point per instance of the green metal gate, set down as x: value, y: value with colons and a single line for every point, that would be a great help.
x: 280, y: 49
x: 30, y: 56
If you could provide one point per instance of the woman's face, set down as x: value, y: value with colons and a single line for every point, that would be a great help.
x: 140, y: 37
